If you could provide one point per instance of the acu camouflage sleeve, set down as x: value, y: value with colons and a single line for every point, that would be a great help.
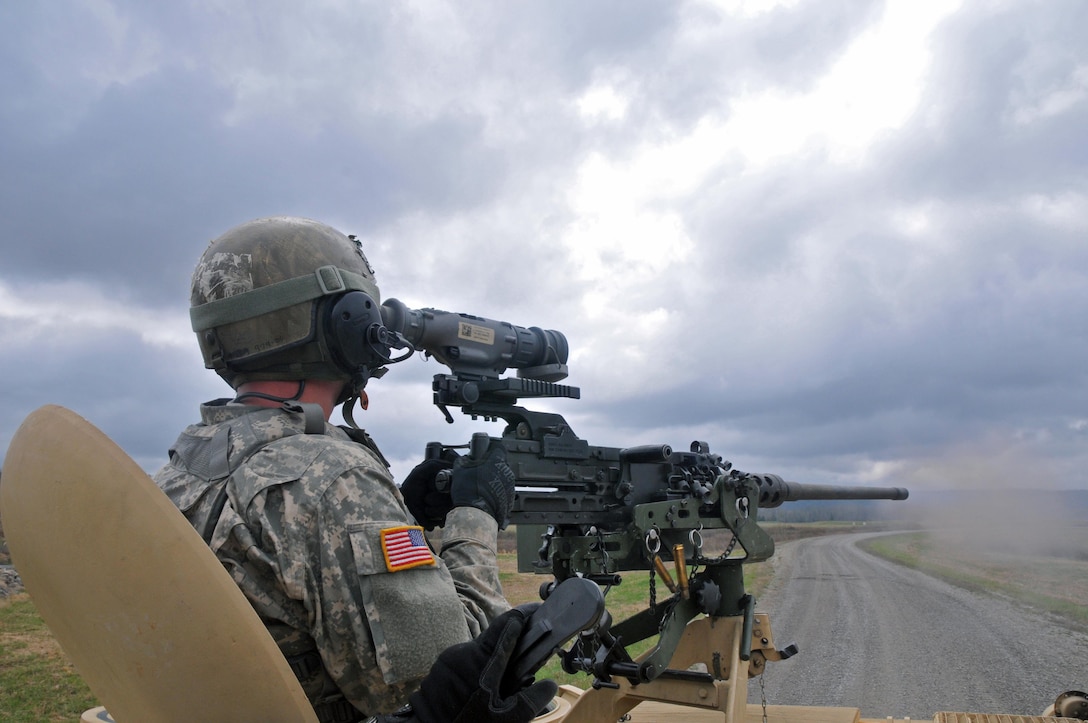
x: 469, y: 542
x: 378, y: 629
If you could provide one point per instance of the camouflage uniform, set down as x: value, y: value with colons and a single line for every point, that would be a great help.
x: 300, y: 530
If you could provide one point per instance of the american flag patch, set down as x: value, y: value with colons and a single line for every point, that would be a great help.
x: 404, y: 548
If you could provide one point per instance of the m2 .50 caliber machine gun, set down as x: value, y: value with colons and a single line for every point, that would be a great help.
x: 590, y: 513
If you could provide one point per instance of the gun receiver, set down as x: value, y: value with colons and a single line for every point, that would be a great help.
x: 593, y: 512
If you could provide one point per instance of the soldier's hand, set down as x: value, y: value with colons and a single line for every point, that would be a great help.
x: 427, y: 499
x: 486, y: 482
x: 465, y: 683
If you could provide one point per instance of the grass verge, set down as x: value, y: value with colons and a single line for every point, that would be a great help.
x: 1054, y: 585
x: 37, y: 683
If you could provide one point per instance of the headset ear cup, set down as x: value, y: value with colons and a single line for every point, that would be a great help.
x: 355, y: 335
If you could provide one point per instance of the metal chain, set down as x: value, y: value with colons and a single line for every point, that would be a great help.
x: 653, y: 591
x: 652, y: 540
x: 729, y: 548
x: 763, y: 692
x: 604, y: 552
x: 711, y: 561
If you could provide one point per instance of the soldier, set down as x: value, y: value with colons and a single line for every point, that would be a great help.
x: 305, y: 515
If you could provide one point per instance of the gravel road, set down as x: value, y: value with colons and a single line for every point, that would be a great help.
x: 894, y: 642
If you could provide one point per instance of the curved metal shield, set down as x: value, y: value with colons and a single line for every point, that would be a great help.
x: 149, y: 617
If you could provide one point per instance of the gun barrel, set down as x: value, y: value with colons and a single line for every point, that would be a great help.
x: 773, y: 491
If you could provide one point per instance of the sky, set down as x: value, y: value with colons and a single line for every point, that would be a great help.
x: 841, y: 241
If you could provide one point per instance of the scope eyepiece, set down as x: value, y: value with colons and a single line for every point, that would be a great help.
x: 475, y: 346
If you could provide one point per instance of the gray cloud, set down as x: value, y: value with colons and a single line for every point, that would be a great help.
x: 149, y: 174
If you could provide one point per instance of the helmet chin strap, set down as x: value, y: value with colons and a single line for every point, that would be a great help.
x: 272, y: 397
x: 349, y: 405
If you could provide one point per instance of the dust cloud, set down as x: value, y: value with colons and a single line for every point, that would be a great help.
x: 993, y: 499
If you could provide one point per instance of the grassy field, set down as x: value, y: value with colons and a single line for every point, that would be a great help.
x: 36, y: 681
x: 1056, y: 583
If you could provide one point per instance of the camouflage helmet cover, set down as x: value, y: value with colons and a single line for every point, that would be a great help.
x: 255, y: 293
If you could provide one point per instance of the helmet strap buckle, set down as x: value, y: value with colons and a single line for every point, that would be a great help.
x: 330, y: 280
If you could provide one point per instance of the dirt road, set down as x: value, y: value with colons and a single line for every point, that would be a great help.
x: 895, y: 642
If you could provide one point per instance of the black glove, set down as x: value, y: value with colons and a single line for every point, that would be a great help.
x: 486, y: 482
x: 465, y: 683
x: 425, y: 501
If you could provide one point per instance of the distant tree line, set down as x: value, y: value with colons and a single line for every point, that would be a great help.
x: 829, y: 511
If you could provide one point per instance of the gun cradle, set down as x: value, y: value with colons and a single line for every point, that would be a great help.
x: 709, y: 670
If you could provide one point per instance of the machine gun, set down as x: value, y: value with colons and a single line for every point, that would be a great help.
x: 593, y: 512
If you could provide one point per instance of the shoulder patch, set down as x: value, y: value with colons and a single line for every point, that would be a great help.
x: 405, y: 547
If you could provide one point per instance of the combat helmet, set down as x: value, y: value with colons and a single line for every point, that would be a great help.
x: 289, y: 298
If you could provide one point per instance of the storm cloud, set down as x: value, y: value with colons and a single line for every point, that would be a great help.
x: 842, y: 241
